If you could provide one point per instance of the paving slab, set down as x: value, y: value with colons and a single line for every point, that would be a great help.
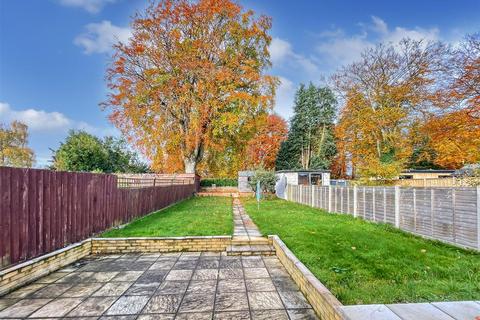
x: 415, y: 311
x: 460, y: 310
x: 148, y: 287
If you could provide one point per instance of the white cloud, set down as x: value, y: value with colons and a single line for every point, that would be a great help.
x: 281, y: 53
x: 37, y: 120
x: 284, y: 97
x: 339, y: 48
x: 99, y: 37
x: 92, y: 6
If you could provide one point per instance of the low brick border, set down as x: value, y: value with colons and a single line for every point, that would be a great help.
x: 160, y: 244
x: 325, y: 304
x: 31, y: 270
x: 24, y: 273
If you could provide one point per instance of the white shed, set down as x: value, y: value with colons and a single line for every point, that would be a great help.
x: 300, y: 177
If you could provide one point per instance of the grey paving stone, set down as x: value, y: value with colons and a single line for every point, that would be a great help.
x: 302, y: 314
x: 231, y: 301
x: 272, y: 262
x: 74, y: 277
x: 230, y: 262
x: 202, y: 286
x: 294, y: 300
x: 118, y: 317
x: 92, y: 307
x: 197, y: 302
x: 81, y: 290
x: 414, y: 311
x: 57, y: 308
x: 194, y: 316
x: 179, y: 275
x: 163, y: 264
x: 264, y: 284
x: 185, y: 264
x: 52, y: 290
x: 25, y: 291
x: 112, y: 289
x: 166, y: 303
x: 460, y: 309
x: 152, y: 276
x: 252, y: 262
x: 127, y: 276
x: 23, y: 308
x: 142, y: 289
x: 51, y: 277
x: 205, y: 274
x: 285, y: 284
x: 264, y: 300
x: 101, y: 277
x: 369, y: 312
x: 229, y: 273
x: 128, y: 305
x: 4, y: 303
x: 172, y: 287
x: 208, y: 263
x: 231, y: 285
x: 252, y: 273
x: 156, y: 317
x: 269, y: 314
x: 232, y: 315
x: 278, y: 272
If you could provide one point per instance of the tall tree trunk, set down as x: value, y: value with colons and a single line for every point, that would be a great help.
x: 190, y: 165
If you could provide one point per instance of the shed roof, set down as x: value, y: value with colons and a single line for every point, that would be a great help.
x: 303, y: 171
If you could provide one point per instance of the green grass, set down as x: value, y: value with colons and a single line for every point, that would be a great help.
x: 364, y: 263
x: 199, y: 216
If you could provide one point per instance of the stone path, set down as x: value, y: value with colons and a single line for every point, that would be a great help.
x: 204, y: 285
x: 243, y: 225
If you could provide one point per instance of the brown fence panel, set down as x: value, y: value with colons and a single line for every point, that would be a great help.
x: 43, y: 210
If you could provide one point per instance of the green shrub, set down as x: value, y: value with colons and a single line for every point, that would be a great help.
x: 219, y: 182
x: 267, y: 180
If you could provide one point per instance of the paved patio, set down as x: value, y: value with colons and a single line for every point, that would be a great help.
x: 162, y: 286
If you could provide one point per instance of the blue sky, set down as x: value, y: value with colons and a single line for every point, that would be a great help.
x: 53, y: 53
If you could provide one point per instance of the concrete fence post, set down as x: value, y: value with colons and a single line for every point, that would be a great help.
x: 397, y: 206
x: 313, y: 196
x: 355, y: 201
x: 478, y: 217
x: 373, y: 203
x: 329, y: 198
x: 432, y: 208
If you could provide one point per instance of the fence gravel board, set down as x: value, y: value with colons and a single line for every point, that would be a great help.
x: 448, y: 214
x: 43, y: 210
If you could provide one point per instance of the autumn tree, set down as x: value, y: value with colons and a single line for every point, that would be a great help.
x: 453, y: 129
x: 14, y: 150
x: 383, y: 94
x: 192, y: 73
x: 263, y: 147
x: 310, y: 143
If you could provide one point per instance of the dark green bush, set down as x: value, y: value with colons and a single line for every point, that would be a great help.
x: 219, y: 182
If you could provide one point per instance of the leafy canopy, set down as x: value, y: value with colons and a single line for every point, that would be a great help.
x: 14, y: 150
x: 190, y: 78
x: 82, y: 151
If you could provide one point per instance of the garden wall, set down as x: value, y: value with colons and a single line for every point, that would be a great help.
x: 44, y: 210
x: 450, y: 215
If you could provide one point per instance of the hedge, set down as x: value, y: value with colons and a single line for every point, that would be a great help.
x: 219, y: 182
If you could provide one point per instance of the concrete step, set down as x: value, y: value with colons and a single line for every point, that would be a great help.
x: 250, y: 250
x: 245, y: 240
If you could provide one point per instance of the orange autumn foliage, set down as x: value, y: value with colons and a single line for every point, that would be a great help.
x: 191, y: 76
x: 263, y: 148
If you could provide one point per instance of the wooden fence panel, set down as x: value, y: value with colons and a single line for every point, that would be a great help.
x: 43, y: 210
x: 448, y: 214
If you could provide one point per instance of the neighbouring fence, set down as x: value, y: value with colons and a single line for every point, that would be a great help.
x: 437, y: 182
x: 448, y: 214
x: 43, y: 210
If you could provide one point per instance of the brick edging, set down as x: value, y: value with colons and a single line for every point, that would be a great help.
x: 325, y: 304
x: 23, y: 273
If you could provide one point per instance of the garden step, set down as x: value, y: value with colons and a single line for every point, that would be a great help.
x: 249, y: 250
x: 249, y: 241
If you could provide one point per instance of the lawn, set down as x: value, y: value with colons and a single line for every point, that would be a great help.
x: 198, y: 216
x: 365, y: 263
